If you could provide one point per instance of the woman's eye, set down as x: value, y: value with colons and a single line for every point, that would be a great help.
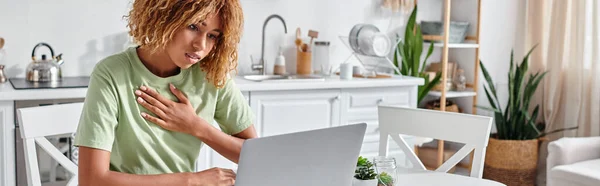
x: 212, y: 36
x: 192, y: 27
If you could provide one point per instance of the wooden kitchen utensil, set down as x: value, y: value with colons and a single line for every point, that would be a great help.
x: 1, y: 42
x: 304, y: 48
x: 298, y: 40
x: 312, y: 34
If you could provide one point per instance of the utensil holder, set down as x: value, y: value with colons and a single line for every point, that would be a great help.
x: 303, y: 62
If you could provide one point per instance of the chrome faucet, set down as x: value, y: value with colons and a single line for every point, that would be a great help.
x: 261, y: 66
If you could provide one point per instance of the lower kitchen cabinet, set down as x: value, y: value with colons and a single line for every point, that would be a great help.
x: 281, y: 112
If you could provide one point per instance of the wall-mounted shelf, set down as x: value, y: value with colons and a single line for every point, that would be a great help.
x: 453, y: 45
x: 454, y: 94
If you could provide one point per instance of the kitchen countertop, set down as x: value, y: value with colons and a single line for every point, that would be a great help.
x: 7, y: 92
x: 329, y: 83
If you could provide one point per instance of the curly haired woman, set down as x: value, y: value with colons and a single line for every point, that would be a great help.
x: 149, y: 109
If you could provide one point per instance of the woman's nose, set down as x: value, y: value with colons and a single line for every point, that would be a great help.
x: 199, y: 43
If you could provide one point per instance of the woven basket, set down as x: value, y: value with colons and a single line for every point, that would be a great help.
x: 512, y: 162
x: 450, y: 106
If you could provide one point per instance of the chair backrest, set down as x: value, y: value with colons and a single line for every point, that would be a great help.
x: 471, y: 130
x: 38, y: 122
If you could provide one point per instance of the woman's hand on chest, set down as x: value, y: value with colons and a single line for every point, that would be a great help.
x: 174, y: 116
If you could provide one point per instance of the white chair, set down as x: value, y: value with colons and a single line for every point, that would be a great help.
x: 471, y: 130
x: 38, y: 122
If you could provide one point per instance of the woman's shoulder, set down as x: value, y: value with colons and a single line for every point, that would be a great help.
x: 113, y: 64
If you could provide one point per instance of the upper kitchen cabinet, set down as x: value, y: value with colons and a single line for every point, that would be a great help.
x: 279, y: 112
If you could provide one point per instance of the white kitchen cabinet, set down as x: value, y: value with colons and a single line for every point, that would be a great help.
x: 7, y: 129
x: 280, y: 112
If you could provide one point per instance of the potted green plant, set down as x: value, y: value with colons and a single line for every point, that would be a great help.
x: 364, y: 175
x: 408, y: 56
x: 385, y: 180
x: 512, y: 152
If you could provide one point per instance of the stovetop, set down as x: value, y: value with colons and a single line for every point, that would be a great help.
x: 65, y: 82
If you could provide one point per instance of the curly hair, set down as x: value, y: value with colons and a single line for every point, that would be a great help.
x: 153, y: 23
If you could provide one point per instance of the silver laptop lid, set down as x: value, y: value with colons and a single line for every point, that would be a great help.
x: 318, y: 157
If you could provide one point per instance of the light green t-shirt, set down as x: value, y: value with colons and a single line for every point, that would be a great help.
x: 111, y: 117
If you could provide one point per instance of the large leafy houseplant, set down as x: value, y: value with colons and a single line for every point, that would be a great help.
x: 514, y: 121
x: 512, y: 153
x: 408, y: 56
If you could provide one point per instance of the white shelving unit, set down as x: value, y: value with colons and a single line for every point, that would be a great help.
x: 471, y: 43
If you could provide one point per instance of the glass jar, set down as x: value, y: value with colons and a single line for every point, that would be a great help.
x: 321, y: 58
x: 461, y: 80
x: 387, y: 173
x: 449, y: 84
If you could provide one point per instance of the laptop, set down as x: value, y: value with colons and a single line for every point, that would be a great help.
x: 311, y: 158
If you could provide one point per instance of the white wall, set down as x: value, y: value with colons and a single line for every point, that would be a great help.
x: 501, y: 31
x: 87, y: 31
x: 84, y: 32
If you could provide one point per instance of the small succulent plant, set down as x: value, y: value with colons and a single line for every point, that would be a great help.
x: 364, y: 169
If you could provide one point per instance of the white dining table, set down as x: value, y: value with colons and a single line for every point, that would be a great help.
x: 413, y: 177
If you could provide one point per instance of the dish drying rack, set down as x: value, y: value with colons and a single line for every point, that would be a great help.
x: 374, y: 66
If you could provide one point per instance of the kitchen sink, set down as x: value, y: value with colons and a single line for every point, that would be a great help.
x: 260, y: 78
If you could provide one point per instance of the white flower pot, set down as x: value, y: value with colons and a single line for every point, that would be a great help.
x: 357, y: 182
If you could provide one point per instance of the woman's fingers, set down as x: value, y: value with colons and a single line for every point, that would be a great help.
x: 155, y: 95
x: 151, y: 100
x: 182, y: 98
x: 154, y: 120
x: 151, y: 107
x: 229, y: 172
x: 229, y: 175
